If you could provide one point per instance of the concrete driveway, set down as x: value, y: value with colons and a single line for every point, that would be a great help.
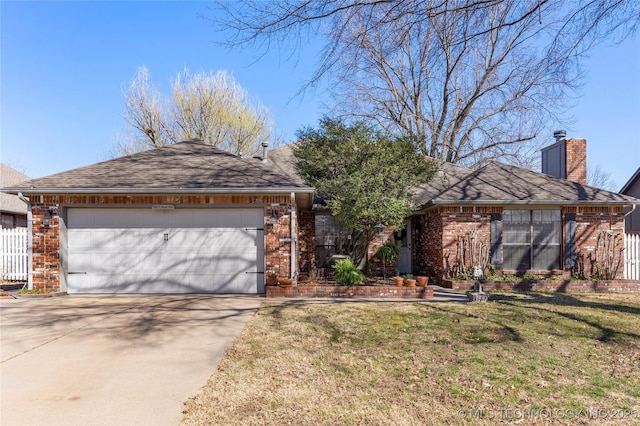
x: 112, y: 360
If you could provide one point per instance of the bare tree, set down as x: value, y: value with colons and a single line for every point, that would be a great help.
x: 210, y: 106
x: 146, y: 112
x: 600, y: 178
x: 468, y: 80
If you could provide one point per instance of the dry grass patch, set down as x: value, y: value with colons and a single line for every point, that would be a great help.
x: 548, y: 357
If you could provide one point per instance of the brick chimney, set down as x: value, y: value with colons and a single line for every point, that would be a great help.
x: 576, y: 160
x: 566, y: 159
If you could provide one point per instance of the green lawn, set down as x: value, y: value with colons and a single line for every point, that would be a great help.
x: 571, y: 359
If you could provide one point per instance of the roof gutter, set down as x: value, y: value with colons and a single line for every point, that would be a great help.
x: 432, y: 204
x: 284, y: 190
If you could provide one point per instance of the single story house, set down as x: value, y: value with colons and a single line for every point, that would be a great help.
x: 522, y: 221
x: 13, y: 212
x: 189, y: 218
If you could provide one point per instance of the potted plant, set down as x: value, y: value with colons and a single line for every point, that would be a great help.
x: 388, y: 253
x: 409, y: 281
x: 285, y: 282
x: 399, y: 281
x: 422, y: 281
x: 272, y: 279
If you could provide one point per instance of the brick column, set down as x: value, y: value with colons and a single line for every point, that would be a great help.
x: 46, y: 250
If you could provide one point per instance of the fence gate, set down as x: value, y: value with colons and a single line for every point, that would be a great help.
x: 13, y: 254
x: 632, y: 256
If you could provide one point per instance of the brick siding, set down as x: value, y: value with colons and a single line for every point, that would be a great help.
x: 375, y: 263
x: 613, y: 286
x: 435, y: 249
x: 590, y: 223
x: 427, y: 246
x: 306, y: 243
x: 576, y: 160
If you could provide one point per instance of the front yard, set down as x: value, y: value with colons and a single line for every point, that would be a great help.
x: 534, y: 357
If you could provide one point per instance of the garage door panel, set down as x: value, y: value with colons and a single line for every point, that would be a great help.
x: 81, y: 262
x: 246, y: 238
x: 224, y: 237
x: 208, y: 250
x: 225, y: 283
x: 191, y: 238
x: 176, y: 262
x: 122, y: 262
x: 81, y: 238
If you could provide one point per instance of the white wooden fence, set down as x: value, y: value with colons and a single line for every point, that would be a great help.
x: 13, y: 254
x: 632, y: 256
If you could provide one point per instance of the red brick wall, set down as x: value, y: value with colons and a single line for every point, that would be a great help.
x: 306, y: 243
x: 590, y: 223
x: 355, y: 292
x: 46, y: 249
x: 375, y: 264
x: 427, y: 245
x: 436, y: 248
x: 458, y: 222
x: 46, y: 240
x: 576, y: 160
x: 613, y: 286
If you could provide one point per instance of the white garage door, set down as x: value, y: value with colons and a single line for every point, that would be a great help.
x: 165, y: 251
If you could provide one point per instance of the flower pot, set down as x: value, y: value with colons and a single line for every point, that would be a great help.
x: 422, y: 281
x: 399, y: 281
x: 409, y: 283
x: 285, y: 282
x: 272, y: 279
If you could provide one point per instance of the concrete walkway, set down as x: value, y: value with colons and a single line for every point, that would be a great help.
x: 112, y: 360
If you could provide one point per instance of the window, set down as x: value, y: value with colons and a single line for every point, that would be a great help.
x: 327, y: 238
x: 531, y: 239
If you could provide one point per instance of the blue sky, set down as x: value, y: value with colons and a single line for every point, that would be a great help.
x: 63, y: 65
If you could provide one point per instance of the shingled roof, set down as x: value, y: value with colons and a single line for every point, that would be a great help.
x: 448, y: 174
x: 185, y: 167
x: 498, y: 183
x: 283, y: 160
x: 10, y: 203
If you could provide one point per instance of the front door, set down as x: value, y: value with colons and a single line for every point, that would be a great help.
x: 403, y: 240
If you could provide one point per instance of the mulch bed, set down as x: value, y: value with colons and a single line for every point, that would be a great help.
x: 369, y: 281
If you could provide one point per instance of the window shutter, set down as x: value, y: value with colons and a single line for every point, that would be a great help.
x: 496, y: 240
x: 570, y: 241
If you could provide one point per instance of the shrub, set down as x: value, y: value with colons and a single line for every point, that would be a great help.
x: 388, y: 253
x: 346, y: 273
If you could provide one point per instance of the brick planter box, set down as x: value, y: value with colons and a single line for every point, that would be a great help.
x: 355, y: 292
x: 614, y: 286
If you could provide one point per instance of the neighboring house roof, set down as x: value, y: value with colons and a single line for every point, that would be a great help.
x: 11, y: 203
x: 185, y: 167
x: 498, y: 183
x: 635, y: 179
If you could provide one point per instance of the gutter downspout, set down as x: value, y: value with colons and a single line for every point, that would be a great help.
x: 630, y: 211
x: 29, y: 240
x: 292, y: 262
